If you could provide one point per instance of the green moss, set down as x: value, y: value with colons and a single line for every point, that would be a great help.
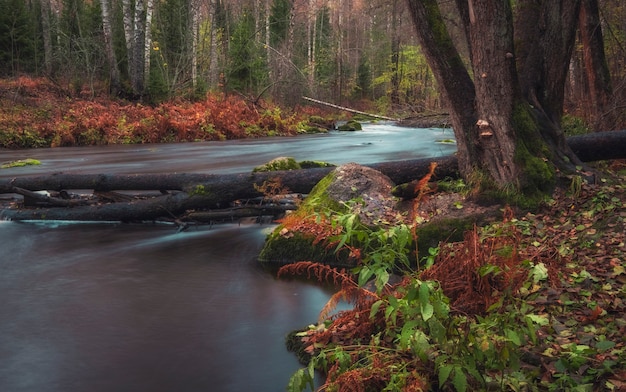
x: 199, y: 190
x: 20, y: 163
x: 350, y: 126
x: 319, y: 201
x: 533, y: 156
x: 429, y: 235
x: 279, y: 249
x: 281, y: 163
x: 573, y: 125
x: 314, y: 164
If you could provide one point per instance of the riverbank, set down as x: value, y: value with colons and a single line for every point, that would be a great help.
x: 35, y: 112
x: 535, y: 301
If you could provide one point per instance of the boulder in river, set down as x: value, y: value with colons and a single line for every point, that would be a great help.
x: 299, y: 237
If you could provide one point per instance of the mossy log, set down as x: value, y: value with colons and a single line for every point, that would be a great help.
x: 184, y: 192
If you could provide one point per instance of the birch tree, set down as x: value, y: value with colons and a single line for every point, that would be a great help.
x: 114, y: 72
x: 137, y: 18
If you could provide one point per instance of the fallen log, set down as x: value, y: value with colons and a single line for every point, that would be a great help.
x: 186, y: 191
x: 332, y: 105
x: 599, y: 146
x: 202, y: 192
x: 226, y: 187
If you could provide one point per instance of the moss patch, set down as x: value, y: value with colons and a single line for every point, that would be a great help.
x: 280, y: 163
x: 20, y: 163
x: 350, y: 126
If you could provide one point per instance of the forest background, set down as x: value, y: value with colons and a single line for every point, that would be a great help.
x: 163, y: 70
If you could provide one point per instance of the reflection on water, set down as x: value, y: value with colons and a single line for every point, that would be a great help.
x: 136, y: 308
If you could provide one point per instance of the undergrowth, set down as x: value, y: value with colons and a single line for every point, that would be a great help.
x: 519, y: 305
x: 36, y: 113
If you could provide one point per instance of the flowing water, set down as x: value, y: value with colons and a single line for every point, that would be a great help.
x: 121, y: 307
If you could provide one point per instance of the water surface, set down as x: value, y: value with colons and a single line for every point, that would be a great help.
x: 121, y: 307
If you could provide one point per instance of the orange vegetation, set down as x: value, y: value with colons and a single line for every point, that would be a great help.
x: 35, y: 112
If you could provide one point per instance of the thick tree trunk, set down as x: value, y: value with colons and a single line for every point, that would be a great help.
x: 507, y: 117
x: 497, y: 91
x: 596, y: 68
x: 545, y: 34
x: 452, y: 77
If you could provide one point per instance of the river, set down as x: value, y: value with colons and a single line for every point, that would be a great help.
x: 124, y: 307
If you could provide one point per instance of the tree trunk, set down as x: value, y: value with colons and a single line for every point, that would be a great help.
x: 147, y: 51
x: 214, y: 76
x: 47, y: 36
x: 452, y: 77
x: 497, y: 92
x: 114, y: 71
x: 137, y: 54
x: 596, y: 68
x: 507, y: 119
x: 395, y: 54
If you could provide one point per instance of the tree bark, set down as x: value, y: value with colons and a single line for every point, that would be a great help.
x: 46, y: 35
x: 147, y: 51
x: 596, y: 68
x: 114, y: 71
x: 507, y: 117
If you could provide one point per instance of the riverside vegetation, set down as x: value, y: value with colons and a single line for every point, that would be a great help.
x: 34, y: 112
x: 533, y: 302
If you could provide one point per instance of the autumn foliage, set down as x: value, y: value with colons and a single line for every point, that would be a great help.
x: 39, y: 113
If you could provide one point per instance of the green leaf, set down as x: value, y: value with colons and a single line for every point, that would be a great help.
x: 424, y: 294
x: 539, y: 272
x: 513, y: 337
x: 382, y: 277
x: 427, y: 311
x: 605, y: 345
x: 444, y: 374
x: 299, y: 381
x: 460, y: 380
x: 364, y: 275
x: 539, y: 319
x: 375, y: 307
x: 437, y: 330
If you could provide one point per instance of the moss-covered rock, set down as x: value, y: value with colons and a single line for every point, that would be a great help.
x: 296, y: 238
x: 350, y: 126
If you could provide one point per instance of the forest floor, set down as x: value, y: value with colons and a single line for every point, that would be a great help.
x: 565, y: 320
